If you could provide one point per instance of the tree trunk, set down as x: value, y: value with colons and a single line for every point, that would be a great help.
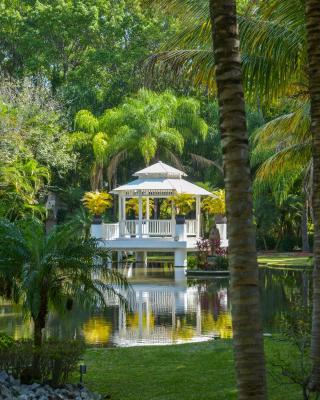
x: 313, y: 42
x: 39, y: 321
x: 304, y: 227
x: 245, y: 297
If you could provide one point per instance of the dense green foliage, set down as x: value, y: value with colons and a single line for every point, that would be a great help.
x: 90, y: 51
x: 74, y: 114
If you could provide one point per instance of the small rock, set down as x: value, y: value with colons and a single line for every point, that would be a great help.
x: 23, y: 397
x: 34, y: 386
x: 4, y: 377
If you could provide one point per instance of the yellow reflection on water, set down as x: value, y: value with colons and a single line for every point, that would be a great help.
x: 182, y: 331
x: 147, y: 320
x: 221, y: 326
x: 96, y: 331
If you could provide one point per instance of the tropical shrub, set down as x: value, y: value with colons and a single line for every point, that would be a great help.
x: 220, y: 263
x: 97, y: 202
x: 57, y: 358
x: 216, y: 248
x: 5, y: 341
x: 192, y: 262
x: 204, y: 250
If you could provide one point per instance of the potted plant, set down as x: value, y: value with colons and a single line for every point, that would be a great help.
x: 183, y: 204
x: 97, y: 203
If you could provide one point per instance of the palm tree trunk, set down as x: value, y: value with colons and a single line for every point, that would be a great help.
x: 313, y: 42
x: 39, y: 321
x: 304, y: 226
x: 245, y: 297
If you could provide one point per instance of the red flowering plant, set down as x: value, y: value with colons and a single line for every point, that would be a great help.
x: 220, y: 255
x: 216, y: 248
x: 204, y: 250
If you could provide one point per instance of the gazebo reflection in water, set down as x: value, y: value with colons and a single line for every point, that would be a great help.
x: 165, y: 311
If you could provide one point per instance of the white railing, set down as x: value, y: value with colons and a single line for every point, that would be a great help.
x: 191, y: 225
x: 149, y: 228
x: 157, y: 227
x: 129, y: 228
x: 110, y: 231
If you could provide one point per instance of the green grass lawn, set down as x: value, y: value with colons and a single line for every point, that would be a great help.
x: 285, y: 260
x: 202, y: 371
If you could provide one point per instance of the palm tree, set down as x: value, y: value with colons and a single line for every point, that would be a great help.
x: 153, y: 126
x: 313, y: 40
x: 52, y: 271
x: 282, y: 155
x: 272, y: 40
x: 149, y: 125
x: 245, y: 298
x: 88, y: 134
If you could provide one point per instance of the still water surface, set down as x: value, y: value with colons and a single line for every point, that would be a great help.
x: 167, y: 310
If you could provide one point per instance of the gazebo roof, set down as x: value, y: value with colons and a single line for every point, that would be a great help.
x: 159, y: 170
x: 160, y: 180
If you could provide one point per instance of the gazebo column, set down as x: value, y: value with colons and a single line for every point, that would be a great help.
x: 198, y: 216
x: 147, y: 216
x: 123, y: 209
x: 140, y: 216
x: 147, y: 209
x: 173, y: 221
x: 120, y: 217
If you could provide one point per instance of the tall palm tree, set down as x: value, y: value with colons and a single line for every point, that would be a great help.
x: 272, y: 40
x: 313, y: 41
x: 88, y: 134
x: 148, y: 124
x: 154, y: 125
x: 245, y: 298
x: 282, y: 157
x: 52, y: 271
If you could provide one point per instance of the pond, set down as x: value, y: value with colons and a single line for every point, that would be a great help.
x: 167, y: 310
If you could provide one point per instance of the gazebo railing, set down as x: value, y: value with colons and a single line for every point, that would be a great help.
x: 149, y: 228
x: 191, y: 227
x: 110, y: 231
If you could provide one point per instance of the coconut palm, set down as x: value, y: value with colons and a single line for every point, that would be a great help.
x: 272, y: 40
x: 313, y: 40
x: 282, y: 156
x: 52, y: 271
x: 246, y: 314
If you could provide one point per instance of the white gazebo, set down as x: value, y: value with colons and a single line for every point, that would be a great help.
x: 146, y: 234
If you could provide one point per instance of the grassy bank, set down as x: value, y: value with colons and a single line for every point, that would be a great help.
x: 286, y: 260
x: 202, y: 371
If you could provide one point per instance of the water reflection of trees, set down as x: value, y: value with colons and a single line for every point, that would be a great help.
x: 169, y: 312
x: 279, y: 290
